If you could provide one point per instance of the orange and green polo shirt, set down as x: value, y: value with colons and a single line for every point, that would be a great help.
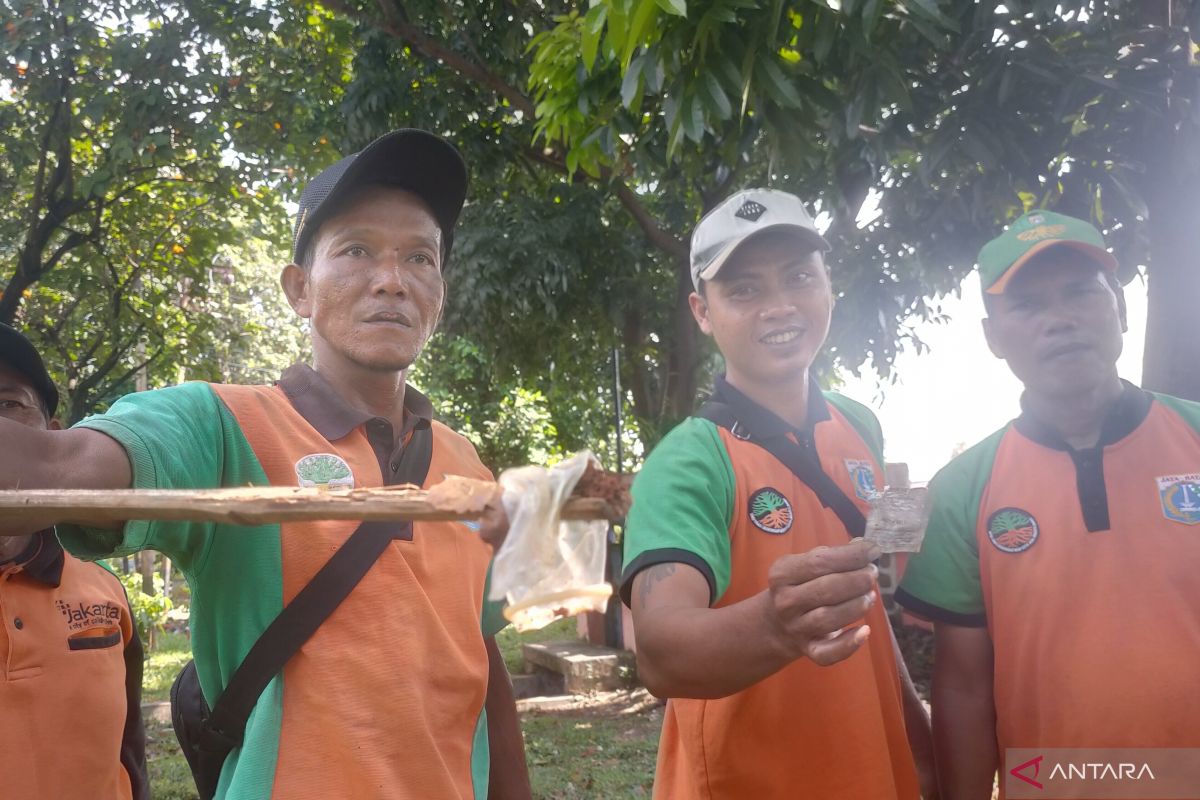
x: 1083, y: 566
x: 70, y: 700
x: 386, y: 700
x: 728, y: 508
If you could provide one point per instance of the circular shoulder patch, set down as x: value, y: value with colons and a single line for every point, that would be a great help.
x: 1012, y: 530
x: 770, y: 511
x: 324, y: 471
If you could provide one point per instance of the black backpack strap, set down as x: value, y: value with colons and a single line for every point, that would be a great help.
x: 295, y: 625
x: 803, y: 462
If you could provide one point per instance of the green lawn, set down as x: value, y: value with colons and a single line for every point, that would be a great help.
x: 572, y: 754
x: 171, y: 652
x: 596, y: 752
x: 169, y: 775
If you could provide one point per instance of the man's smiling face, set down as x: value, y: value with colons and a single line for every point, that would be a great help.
x: 768, y: 308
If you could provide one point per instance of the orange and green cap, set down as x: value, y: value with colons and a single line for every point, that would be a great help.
x: 1029, y: 235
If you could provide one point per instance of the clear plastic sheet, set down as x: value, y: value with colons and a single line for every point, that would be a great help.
x: 548, y: 568
x: 898, y: 520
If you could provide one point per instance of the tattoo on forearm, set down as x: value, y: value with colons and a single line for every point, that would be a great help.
x: 653, y: 576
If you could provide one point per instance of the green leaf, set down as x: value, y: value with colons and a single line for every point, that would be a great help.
x: 632, y: 82
x: 653, y: 71
x: 671, y: 109
x: 826, y: 36
x: 777, y: 84
x: 854, y: 114
x: 639, y: 28
x: 931, y: 9
x: 872, y: 11
x: 719, y: 101
x: 676, y: 7
x: 693, y: 121
x: 593, y: 26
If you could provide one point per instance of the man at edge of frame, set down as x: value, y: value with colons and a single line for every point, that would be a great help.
x: 387, y: 699
x: 1059, y: 567
x: 757, y: 613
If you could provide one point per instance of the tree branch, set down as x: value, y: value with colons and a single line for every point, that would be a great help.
x: 662, y: 239
x: 394, y: 25
x: 399, y: 28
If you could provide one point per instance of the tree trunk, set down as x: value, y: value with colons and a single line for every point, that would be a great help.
x: 1171, y: 362
x: 685, y: 352
x: 146, y: 567
x: 146, y: 562
x: 10, y: 298
x: 1172, y: 357
x: 167, y: 577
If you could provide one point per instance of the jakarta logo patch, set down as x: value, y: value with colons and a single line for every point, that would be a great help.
x: 1012, y: 530
x: 324, y: 471
x: 1180, y: 498
x: 863, y: 477
x: 770, y: 511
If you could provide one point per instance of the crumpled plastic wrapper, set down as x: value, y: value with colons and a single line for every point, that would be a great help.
x: 898, y: 520
x: 548, y: 568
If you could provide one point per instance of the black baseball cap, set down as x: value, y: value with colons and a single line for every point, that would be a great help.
x: 19, y: 354
x: 418, y: 161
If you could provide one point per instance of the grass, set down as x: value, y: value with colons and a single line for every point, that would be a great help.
x: 575, y: 755
x: 171, y: 652
x: 509, y: 641
x: 571, y: 753
x: 170, y: 778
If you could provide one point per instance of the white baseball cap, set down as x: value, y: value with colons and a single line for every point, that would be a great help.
x: 740, y: 216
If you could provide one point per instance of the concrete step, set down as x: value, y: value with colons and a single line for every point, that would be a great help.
x: 584, y: 667
x: 537, y: 684
x: 158, y: 711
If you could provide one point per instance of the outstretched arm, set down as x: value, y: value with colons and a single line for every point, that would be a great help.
x: 70, y: 459
x: 687, y: 649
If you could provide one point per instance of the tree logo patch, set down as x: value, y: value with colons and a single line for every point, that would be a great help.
x: 770, y: 511
x: 1012, y: 530
x: 324, y: 471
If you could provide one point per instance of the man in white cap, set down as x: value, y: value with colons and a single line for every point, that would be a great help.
x: 755, y: 604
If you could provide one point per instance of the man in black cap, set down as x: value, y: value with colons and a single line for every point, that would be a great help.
x: 72, y: 672
x: 386, y: 699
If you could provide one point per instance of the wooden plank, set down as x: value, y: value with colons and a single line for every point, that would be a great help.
x: 256, y: 505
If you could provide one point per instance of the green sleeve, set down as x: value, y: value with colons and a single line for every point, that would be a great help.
x: 942, y: 581
x: 863, y: 420
x: 176, y: 438
x: 683, y: 501
x: 1187, y: 410
x: 492, y: 620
